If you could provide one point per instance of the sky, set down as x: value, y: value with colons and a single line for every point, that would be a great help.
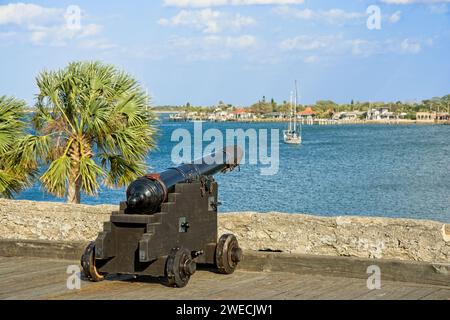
x: 236, y: 51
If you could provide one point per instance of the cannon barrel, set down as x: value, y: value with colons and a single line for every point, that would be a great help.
x: 146, y: 194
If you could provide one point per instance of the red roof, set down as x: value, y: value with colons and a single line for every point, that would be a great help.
x: 307, y: 112
x: 239, y: 111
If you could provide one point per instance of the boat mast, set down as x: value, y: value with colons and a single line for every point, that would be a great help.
x: 295, y: 108
x: 290, y: 118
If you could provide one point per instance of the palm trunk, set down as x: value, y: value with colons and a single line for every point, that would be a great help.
x: 74, y: 191
x: 74, y: 186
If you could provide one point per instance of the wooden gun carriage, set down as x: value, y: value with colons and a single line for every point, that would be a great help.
x: 167, y: 226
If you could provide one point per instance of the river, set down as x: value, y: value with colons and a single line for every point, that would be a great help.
x: 368, y: 170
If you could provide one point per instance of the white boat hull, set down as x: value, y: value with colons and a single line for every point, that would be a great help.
x: 292, y: 138
x: 293, y: 141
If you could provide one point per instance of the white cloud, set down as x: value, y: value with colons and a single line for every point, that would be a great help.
x: 214, y: 42
x: 334, y: 16
x: 334, y: 44
x: 311, y: 59
x: 395, y: 17
x: 337, y: 45
x: 410, y: 46
x: 207, y: 20
x: 7, y: 35
x: 307, y: 43
x: 101, y: 43
x: 210, y: 47
x: 28, y: 14
x: 46, y: 26
x: 241, y: 42
x: 212, y: 3
x: 359, y: 47
x: 439, y: 8
x: 59, y: 36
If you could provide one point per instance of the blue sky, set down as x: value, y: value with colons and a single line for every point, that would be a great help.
x: 203, y: 51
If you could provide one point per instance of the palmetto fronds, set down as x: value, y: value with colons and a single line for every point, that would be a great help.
x: 92, y: 122
x: 14, y: 175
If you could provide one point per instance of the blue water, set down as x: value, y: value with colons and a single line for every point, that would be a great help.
x: 369, y: 170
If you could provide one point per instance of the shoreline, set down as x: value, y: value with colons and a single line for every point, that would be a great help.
x: 354, y: 236
x: 318, y: 121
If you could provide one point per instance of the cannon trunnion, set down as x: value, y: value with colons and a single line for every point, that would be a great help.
x: 168, y: 243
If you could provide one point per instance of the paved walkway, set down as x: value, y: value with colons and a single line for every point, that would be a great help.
x: 37, y: 278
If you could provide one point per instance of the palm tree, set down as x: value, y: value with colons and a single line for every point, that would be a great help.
x: 13, y: 175
x: 94, y: 125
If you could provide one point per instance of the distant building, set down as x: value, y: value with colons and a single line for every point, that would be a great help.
x: 425, y: 116
x: 242, y: 113
x: 180, y: 116
x: 349, y: 115
x: 308, y: 113
x: 274, y: 115
x: 432, y: 116
x: 220, y: 115
x: 382, y: 113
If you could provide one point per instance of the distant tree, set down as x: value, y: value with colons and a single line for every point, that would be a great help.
x: 439, y: 104
x: 446, y: 102
x: 345, y: 107
x: 327, y: 114
x: 432, y: 104
x: 261, y: 107
x: 411, y: 116
x: 273, y: 104
x: 323, y: 105
x: 365, y: 106
x: 285, y: 107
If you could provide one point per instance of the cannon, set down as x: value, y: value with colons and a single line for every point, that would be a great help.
x: 167, y: 225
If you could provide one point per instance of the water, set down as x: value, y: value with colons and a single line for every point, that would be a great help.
x: 369, y: 170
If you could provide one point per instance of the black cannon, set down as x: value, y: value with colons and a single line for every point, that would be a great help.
x: 167, y: 225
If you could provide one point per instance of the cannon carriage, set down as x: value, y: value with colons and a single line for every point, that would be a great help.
x: 167, y: 225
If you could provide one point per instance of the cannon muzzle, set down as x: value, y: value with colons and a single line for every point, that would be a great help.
x: 146, y: 194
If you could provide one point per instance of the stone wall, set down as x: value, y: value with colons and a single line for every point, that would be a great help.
x: 365, y: 237
x: 403, y: 239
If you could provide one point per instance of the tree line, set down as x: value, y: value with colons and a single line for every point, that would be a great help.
x: 325, y: 108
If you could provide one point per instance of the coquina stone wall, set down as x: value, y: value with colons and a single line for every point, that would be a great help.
x: 367, y: 237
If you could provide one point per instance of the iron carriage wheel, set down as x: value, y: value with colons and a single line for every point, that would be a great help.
x: 88, y: 263
x: 179, y: 267
x: 228, y: 254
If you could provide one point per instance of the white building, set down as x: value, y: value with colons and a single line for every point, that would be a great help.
x: 379, y: 114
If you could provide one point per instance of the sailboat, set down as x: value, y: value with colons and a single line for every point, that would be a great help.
x: 293, y: 135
